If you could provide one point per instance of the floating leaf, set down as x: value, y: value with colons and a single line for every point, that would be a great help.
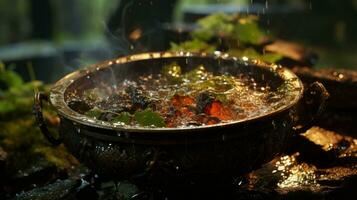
x: 149, y: 118
x: 123, y: 117
x: 94, y: 113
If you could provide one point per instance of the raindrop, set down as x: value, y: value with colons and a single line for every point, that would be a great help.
x: 266, y: 4
x: 223, y: 137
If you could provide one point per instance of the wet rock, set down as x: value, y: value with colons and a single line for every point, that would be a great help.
x: 310, y: 152
x: 126, y: 190
x: 59, y: 190
x: 19, y: 178
x: 341, y: 84
x: 87, y: 191
x: 40, y: 172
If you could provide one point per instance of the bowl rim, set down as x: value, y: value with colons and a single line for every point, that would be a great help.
x: 57, y: 92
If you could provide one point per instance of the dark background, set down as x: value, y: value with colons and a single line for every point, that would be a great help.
x: 58, y: 36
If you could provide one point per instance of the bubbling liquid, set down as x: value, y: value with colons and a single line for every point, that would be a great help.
x: 176, y: 99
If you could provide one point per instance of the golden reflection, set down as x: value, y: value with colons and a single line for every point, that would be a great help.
x: 329, y: 140
x: 294, y: 174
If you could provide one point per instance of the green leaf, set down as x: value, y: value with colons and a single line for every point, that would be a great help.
x: 11, y: 78
x: 94, y: 113
x: 218, y: 24
x: 149, y: 118
x: 123, y: 117
x: 6, y: 106
x: 194, y: 45
x: 248, y: 31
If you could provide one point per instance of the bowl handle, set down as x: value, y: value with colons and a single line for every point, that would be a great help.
x: 37, y: 109
x: 311, y: 106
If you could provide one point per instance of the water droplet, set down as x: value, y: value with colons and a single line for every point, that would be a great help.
x: 266, y: 4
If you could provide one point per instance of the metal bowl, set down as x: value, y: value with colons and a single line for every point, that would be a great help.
x: 187, y: 153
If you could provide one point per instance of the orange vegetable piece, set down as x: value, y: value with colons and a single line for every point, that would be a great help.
x: 216, y: 109
x: 179, y: 101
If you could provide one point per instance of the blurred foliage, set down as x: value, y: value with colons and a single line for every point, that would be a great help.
x: 241, y: 35
x: 19, y: 135
x: 15, y: 23
x: 81, y: 19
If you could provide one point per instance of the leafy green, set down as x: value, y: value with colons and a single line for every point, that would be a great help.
x: 248, y: 31
x: 149, y: 118
x: 9, y: 77
x: 194, y: 45
x: 19, y: 133
x: 123, y: 117
x: 94, y: 112
x: 218, y: 24
x: 18, y: 95
x: 240, y: 34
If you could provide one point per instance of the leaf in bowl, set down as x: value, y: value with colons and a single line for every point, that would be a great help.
x: 94, y: 113
x: 149, y: 118
x: 123, y: 117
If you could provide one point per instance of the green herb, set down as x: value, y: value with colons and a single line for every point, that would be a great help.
x: 10, y: 78
x: 240, y: 34
x: 123, y: 117
x: 149, y: 118
x: 194, y: 45
x: 94, y: 113
x: 19, y: 133
x: 248, y: 31
x: 18, y: 96
x: 218, y: 24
